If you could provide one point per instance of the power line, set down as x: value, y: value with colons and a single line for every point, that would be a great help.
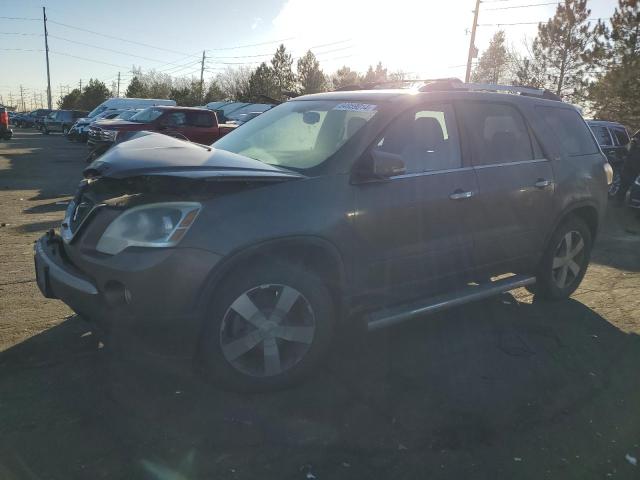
x: 86, y: 59
x: 521, y: 6
x: 106, y: 49
x: 20, y: 18
x: 116, y: 38
x: 528, y: 23
x: 21, y: 50
x: 252, y: 44
x: 20, y: 33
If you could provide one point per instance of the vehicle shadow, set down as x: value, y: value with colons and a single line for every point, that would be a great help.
x: 498, y: 389
x: 618, y: 241
x: 28, y: 162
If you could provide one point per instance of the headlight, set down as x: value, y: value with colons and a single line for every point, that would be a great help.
x: 108, y: 135
x: 154, y: 225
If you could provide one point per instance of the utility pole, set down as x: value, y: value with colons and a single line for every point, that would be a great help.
x: 118, y: 91
x: 473, y: 51
x: 22, y: 99
x: 11, y: 100
x: 202, y: 78
x: 46, y: 49
x: 80, y: 85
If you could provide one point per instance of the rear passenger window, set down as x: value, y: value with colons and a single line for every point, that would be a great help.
x: 498, y: 134
x: 425, y: 138
x: 602, y: 135
x: 620, y: 135
x: 200, y: 119
x: 573, y: 134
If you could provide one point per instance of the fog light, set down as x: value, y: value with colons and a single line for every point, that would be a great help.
x: 116, y: 294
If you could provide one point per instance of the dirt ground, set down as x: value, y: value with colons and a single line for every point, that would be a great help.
x: 506, y: 388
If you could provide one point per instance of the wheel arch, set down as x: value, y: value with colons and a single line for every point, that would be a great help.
x: 587, y: 211
x: 309, y: 252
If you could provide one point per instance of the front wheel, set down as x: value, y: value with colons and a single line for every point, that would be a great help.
x: 267, y: 327
x: 565, y: 261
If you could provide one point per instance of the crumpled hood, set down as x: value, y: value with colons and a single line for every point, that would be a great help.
x: 148, y: 153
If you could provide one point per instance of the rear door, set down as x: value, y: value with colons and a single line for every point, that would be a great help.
x: 201, y: 127
x: 415, y: 229
x: 515, y: 181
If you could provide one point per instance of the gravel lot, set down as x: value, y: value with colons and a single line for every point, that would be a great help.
x: 506, y: 388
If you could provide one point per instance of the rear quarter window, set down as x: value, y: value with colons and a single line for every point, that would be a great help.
x: 573, y: 135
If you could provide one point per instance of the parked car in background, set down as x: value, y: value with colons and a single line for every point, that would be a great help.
x: 223, y: 112
x: 61, y: 121
x: 367, y: 206
x: 613, y: 139
x: 128, y: 103
x: 5, y: 131
x: 39, y: 117
x: 195, y: 124
x: 80, y: 130
x: 248, y: 112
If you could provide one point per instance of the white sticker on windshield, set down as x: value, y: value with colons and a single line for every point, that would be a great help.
x: 355, y: 107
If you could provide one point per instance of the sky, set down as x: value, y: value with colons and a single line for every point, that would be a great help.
x: 425, y: 38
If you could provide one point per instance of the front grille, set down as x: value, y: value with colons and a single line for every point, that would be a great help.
x: 78, y: 211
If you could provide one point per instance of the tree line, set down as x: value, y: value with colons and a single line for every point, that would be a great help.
x: 594, y: 65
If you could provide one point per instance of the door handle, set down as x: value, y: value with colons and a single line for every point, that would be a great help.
x: 460, y: 195
x: 543, y: 183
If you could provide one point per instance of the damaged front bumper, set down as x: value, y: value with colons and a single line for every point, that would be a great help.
x: 147, y: 300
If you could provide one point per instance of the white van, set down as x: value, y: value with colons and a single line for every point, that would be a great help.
x: 129, y: 103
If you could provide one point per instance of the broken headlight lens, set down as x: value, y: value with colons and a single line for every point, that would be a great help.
x: 153, y: 225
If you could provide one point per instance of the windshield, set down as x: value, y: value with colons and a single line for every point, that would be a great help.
x: 127, y: 114
x: 147, y: 115
x: 96, y: 111
x: 299, y: 134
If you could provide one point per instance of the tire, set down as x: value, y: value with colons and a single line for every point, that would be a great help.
x: 257, y: 291
x: 559, y: 282
x: 65, y: 130
x: 45, y: 131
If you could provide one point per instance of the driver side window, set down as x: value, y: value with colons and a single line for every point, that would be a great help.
x: 425, y: 138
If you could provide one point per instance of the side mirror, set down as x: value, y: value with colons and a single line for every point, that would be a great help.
x: 386, y: 165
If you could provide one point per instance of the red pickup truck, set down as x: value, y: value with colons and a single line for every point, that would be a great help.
x: 198, y: 125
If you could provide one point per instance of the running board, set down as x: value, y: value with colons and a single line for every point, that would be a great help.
x: 394, y: 315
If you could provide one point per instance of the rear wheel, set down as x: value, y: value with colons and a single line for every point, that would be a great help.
x: 565, y: 261
x: 267, y: 328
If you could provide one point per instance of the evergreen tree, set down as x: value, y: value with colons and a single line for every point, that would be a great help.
x: 283, y: 76
x: 379, y: 75
x: 262, y: 84
x: 615, y: 95
x: 70, y: 101
x: 136, y: 89
x: 310, y: 76
x: 213, y: 93
x: 345, y: 77
x: 93, y: 95
x: 493, y: 64
x: 564, y: 47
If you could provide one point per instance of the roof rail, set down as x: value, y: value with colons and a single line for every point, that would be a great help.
x: 491, y: 87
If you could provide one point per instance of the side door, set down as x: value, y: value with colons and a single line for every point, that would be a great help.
x: 516, y: 186
x: 414, y: 230
x: 57, y: 121
x: 174, y: 124
x: 605, y: 140
x: 201, y: 127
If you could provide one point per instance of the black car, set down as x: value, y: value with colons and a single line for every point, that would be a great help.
x: 61, y: 121
x: 343, y: 208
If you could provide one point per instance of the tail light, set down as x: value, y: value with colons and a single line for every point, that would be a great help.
x: 609, y: 172
x: 4, y: 119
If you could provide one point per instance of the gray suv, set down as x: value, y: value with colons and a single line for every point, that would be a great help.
x: 334, y: 209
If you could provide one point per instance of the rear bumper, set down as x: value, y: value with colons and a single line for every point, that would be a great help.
x: 159, y: 314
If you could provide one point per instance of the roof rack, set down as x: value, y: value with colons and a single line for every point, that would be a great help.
x: 457, y: 84
x: 452, y: 83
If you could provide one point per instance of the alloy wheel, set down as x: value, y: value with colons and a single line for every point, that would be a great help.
x: 267, y: 330
x: 568, y: 259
